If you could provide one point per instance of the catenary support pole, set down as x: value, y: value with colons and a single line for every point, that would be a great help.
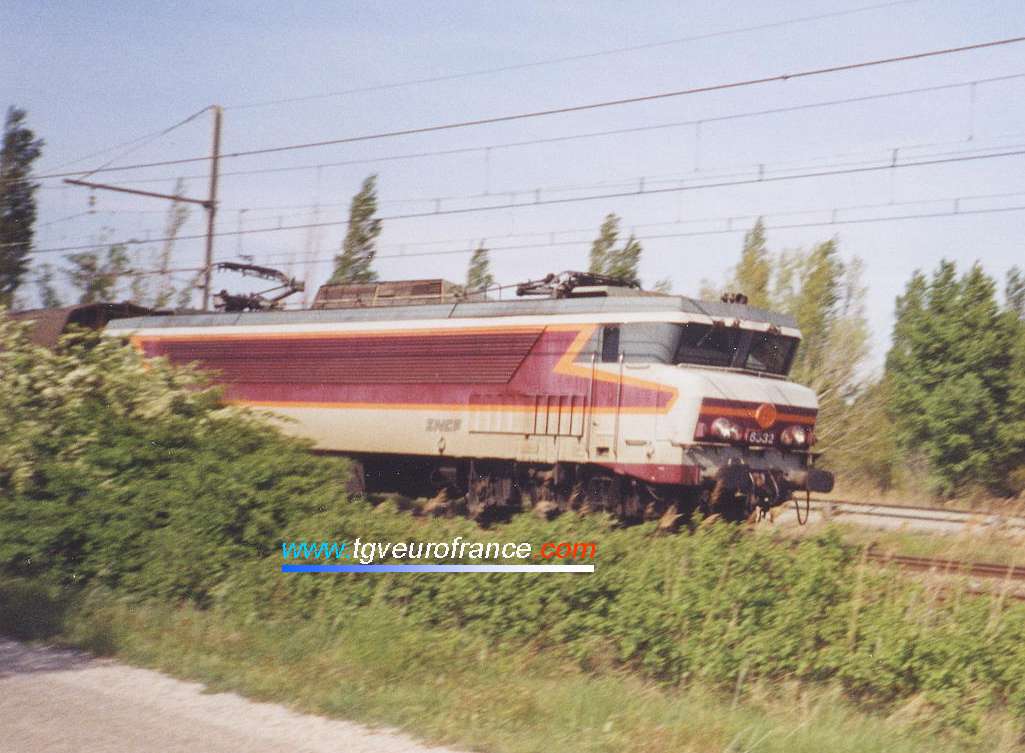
x: 211, y: 207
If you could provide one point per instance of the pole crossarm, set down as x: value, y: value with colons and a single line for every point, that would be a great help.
x: 205, y: 203
x: 209, y: 204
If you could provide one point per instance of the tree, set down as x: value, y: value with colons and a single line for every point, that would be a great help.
x: 48, y: 296
x: 953, y: 396
x: 1014, y: 291
x: 177, y: 216
x: 162, y: 293
x: 753, y: 272
x: 858, y: 451
x: 359, y: 246
x: 608, y: 260
x: 602, y: 246
x: 185, y: 295
x: 1015, y: 428
x: 478, y: 276
x: 98, y: 280
x: 817, y: 303
x: 708, y: 290
x: 826, y: 298
x: 664, y: 286
x: 17, y: 201
x: 624, y: 262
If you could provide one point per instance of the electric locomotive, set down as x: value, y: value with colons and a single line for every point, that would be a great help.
x: 581, y: 393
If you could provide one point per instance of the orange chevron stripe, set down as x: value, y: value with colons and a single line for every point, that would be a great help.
x: 567, y: 365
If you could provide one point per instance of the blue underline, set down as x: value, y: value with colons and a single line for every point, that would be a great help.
x: 437, y: 568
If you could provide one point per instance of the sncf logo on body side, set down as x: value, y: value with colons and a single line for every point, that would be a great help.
x: 444, y: 424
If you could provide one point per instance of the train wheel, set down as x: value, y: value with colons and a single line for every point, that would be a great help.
x: 490, y: 496
x: 727, y: 504
x: 602, y: 495
x: 357, y: 483
x: 577, y: 496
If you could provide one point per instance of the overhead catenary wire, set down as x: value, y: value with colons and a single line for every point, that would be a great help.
x: 833, y: 211
x: 585, y: 135
x: 764, y: 170
x: 734, y: 171
x: 177, y: 271
x: 55, y: 222
x: 567, y: 58
x: 777, y: 78
x: 146, y: 141
x: 658, y: 236
x: 730, y: 229
x: 573, y: 199
x: 633, y: 181
x: 134, y: 144
x: 725, y: 171
x: 514, y: 67
x: 718, y: 231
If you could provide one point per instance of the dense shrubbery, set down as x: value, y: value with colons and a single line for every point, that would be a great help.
x: 134, y: 475
x: 134, y: 478
x: 720, y: 605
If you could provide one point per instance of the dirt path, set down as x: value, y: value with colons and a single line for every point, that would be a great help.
x: 67, y: 702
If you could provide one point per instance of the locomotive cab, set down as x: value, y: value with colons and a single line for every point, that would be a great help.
x: 743, y: 431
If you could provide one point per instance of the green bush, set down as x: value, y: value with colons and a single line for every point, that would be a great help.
x: 133, y: 474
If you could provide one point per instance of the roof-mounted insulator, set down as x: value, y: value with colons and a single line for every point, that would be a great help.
x: 563, y: 284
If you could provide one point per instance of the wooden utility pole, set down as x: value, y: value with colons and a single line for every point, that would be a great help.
x: 211, y: 207
x: 209, y: 204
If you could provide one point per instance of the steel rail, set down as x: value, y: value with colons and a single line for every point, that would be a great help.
x: 950, y: 567
x: 916, y: 513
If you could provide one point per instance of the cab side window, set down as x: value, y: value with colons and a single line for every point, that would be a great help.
x: 610, y: 344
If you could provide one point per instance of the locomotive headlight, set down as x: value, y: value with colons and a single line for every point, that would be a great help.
x: 723, y: 428
x: 795, y: 436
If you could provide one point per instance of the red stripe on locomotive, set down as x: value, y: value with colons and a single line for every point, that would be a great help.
x: 411, y: 368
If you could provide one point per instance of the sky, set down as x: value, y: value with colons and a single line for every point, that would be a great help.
x: 96, y: 78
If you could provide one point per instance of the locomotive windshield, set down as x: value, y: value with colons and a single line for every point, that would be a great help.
x: 770, y: 353
x: 698, y: 344
x: 708, y: 345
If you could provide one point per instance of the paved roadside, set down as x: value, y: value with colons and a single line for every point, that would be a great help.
x: 67, y: 702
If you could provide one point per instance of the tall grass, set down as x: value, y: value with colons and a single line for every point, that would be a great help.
x: 383, y: 668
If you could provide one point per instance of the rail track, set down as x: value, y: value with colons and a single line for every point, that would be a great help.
x: 937, y: 520
x: 982, y: 577
x: 951, y: 567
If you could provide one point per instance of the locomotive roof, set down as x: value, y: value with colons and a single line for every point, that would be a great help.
x: 602, y: 306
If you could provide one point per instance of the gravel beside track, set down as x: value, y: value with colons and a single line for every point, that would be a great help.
x: 63, y: 701
x: 894, y: 517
